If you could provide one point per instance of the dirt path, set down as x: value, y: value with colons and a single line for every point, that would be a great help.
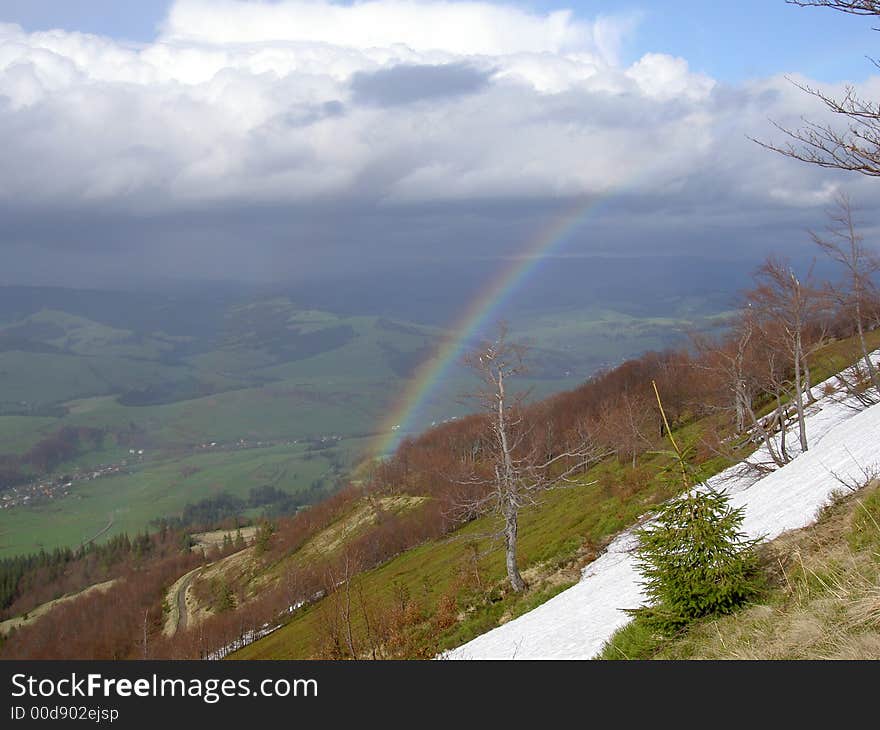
x: 100, y: 532
x: 176, y: 600
x: 181, y: 600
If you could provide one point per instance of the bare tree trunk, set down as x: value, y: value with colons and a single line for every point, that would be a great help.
x: 765, y: 436
x: 349, y: 637
x: 509, y: 508
x: 740, y: 413
x: 798, y: 392
x: 780, y: 418
x: 808, y: 383
x: 742, y: 404
x: 367, y: 625
x: 872, y: 371
x: 146, y: 614
x: 510, y: 535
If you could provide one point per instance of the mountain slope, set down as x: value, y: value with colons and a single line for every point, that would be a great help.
x: 576, y: 623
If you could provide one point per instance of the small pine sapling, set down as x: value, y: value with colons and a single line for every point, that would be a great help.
x: 694, y: 558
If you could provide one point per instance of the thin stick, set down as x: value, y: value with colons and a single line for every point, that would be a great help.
x: 684, y: 476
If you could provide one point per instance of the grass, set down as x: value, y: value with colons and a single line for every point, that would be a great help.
x: 570, y: 526
x: 20, y: 433
x: 155, y: 489
x: 838, y: 355
x: 822, y: 599
x: 565, y: 531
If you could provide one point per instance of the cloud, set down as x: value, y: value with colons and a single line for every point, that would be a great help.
x: 461, y: 28
x: 404, y: 84
x: 385, y: 108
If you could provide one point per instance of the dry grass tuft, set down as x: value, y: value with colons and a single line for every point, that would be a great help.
x: 823, y: 601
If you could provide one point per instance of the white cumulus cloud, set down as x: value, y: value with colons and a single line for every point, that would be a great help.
x: 382, y: 102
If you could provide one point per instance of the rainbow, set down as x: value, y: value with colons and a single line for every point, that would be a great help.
x: 474, y: 319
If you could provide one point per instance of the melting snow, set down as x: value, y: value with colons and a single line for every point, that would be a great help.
x: 843, y: 445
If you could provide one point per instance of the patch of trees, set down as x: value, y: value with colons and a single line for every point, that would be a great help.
x: 124, y: 622
x: 11, y: 473
x: 222, y: 508
x: 267, y: 326
x: 63, y: 445
x: 27, y: 581
x: 12, y: 341
x: 31, y: 337
x: 58, y: 447
x: 276, y: 502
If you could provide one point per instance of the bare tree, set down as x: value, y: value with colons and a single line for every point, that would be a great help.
x: 730, y: 360
x: 856, y: 146
x: 747, y: 364
x: 146, y: 625
x: 513, y: 470
x: 627, y: 422
x: 772, y: 379
x: 789, y: 306
x: 843, y: 244
x: 853, y: 7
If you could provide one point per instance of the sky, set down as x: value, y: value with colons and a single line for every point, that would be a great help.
x: 265, y: 140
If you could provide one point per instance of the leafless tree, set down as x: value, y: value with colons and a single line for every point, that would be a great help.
x: 628, y: 423
x: 747, y: 364
x: 854, y: 147
x: 842, y: 243
x: 513, y: 470
x: 787, y: 306
x: 853, y: 7
x: 730, y: 359
x: 770, y: 378
x: 146, y: 625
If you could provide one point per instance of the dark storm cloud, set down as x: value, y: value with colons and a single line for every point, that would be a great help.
x: 405, y: 84
x: 267, y: 161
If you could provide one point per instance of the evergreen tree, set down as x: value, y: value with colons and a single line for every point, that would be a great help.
x: 695, y: 559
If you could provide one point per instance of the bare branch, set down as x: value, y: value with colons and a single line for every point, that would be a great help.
x: 856, y: 147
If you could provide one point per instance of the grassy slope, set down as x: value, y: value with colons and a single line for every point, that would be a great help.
x: 566, y: 529
x: 562, y: 532
x: 35, y: 613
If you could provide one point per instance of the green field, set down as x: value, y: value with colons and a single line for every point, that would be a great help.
x: 169, y: 376
x: 162, y: 487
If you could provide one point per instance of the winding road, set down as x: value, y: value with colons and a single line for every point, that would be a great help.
x: 181, y: 600
x: 177, y: 597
